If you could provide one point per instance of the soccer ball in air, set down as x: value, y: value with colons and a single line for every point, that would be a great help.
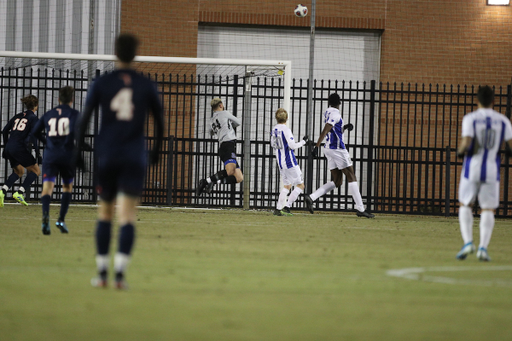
x: 301, y: 11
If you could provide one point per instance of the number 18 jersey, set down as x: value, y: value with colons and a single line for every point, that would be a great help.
x: 488, y: 129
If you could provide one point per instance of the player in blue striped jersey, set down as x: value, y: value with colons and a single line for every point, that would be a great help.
x: 281, y: 139
x: 483, y: 133
x: 124, y: 96
x: 59, y: 127
x: 338, y: 159
x: 18, y: 144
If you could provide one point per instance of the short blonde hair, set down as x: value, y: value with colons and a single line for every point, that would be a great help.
x: 215, y: 103
x: 281, y: 115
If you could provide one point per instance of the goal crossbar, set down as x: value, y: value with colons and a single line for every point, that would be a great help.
x: 285, y: 66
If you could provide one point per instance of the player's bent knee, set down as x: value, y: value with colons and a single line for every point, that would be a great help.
x: 301, y: 186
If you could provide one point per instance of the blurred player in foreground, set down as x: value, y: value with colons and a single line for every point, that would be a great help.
x: 124, y: 96
x: 338, y: 159
x: 281, y: 139
x: 59, y: 126
x: 483, y: 132
x: 223, y: 124
x: 18, y: 144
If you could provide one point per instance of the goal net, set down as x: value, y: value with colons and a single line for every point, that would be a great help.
x: 251, y: 89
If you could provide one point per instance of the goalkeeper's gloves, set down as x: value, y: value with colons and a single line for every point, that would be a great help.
x: 348, y: 126
x: 305, y: 139
x: 314, y: 151
x: 461, y: 155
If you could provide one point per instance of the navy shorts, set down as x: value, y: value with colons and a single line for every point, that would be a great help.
x: 227, y: 152
x: 120, y: 177
x: 51, y: 170
x: 19, y: 156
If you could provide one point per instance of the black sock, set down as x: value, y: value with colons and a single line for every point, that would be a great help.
x: 103, y: 232
x: 219, y: 176
x: 229, y: 180
x: 31, y: 177
x: 45, y: 200
x: 11, y: 180
x: 64, y: 205
x: 126, y: 238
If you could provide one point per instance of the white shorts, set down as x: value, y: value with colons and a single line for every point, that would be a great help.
x: 337, y: 158
x: 488, y: 193
x: 292, y: 176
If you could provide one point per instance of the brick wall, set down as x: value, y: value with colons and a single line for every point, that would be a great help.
x: 425, y: 41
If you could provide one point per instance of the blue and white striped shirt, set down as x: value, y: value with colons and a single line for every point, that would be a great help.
x: 281, y: 139
x: 334, y: 139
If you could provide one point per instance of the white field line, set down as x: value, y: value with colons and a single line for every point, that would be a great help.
x: 419, y: 274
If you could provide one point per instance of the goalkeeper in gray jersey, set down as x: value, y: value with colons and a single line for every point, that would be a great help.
x: 222, y: 124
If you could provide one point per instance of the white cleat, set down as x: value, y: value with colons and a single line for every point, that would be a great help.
x: 465, y: 251
x: 482, y: 255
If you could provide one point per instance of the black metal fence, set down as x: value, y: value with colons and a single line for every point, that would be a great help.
x: 403, y: 145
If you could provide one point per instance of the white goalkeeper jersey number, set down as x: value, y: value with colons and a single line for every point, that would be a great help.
x: 488, y: 129
x: 281, y: 139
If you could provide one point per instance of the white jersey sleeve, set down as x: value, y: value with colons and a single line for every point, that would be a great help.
x: 281, y: 139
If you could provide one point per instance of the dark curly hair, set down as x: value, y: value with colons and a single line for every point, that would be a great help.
x: 30, y: 102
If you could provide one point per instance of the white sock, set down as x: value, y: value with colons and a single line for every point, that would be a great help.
x: 5, y: 188
x: 466, y: 223
x: 282, y: 198
x: 353, y: 189
x: 208, y: 180
x: 486, y: 227
x: 295, y: 193
x: 121, y: 261
x: 102, y: 262
x: 325, y: 188
x: 21, y: 190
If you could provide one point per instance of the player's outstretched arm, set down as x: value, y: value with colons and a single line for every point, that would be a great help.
x: 323, y: 134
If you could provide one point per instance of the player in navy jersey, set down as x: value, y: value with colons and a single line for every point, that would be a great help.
x: 59, y: 126
x: 338, y: 159
x: 124, y: 96
x: 223, y: 124
x: 483, y: 133
x: 18, y: 144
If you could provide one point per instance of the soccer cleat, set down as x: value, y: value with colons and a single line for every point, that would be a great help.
x: 120, y: 282
x: 2, y: 197
x: 278, y: 212
x: 62, y: 226
x: 200, y: 188
x: 286, y: 211
x: 365, y: 214
x: 466, y: 250
x: 99, y: 282
x: 19, y: 198
x: 209, y: 187
x: 45, y: 226
x: 309, y: 203
x: 482, y: 255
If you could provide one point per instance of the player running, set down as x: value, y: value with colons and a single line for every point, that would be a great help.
x: 124, y: 96
x: 483, y: 132
x: 59, y: 126
x: 223, y: 124
x: 338, y: 159
x: 281, y: 139
x: 18, y: 144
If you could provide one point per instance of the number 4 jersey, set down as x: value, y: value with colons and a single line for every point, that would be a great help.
x: 59, y: 126
x: 488, y: 129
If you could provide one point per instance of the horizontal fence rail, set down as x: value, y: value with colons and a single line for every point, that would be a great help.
x: 403, y: 146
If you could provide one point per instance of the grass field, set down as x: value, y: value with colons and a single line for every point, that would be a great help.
x: 246, y: 275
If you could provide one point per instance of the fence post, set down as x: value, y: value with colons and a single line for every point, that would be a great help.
x: 247, y: 139
x: 170, y: 162
x: 371, y: 151
x: 447, y: 183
